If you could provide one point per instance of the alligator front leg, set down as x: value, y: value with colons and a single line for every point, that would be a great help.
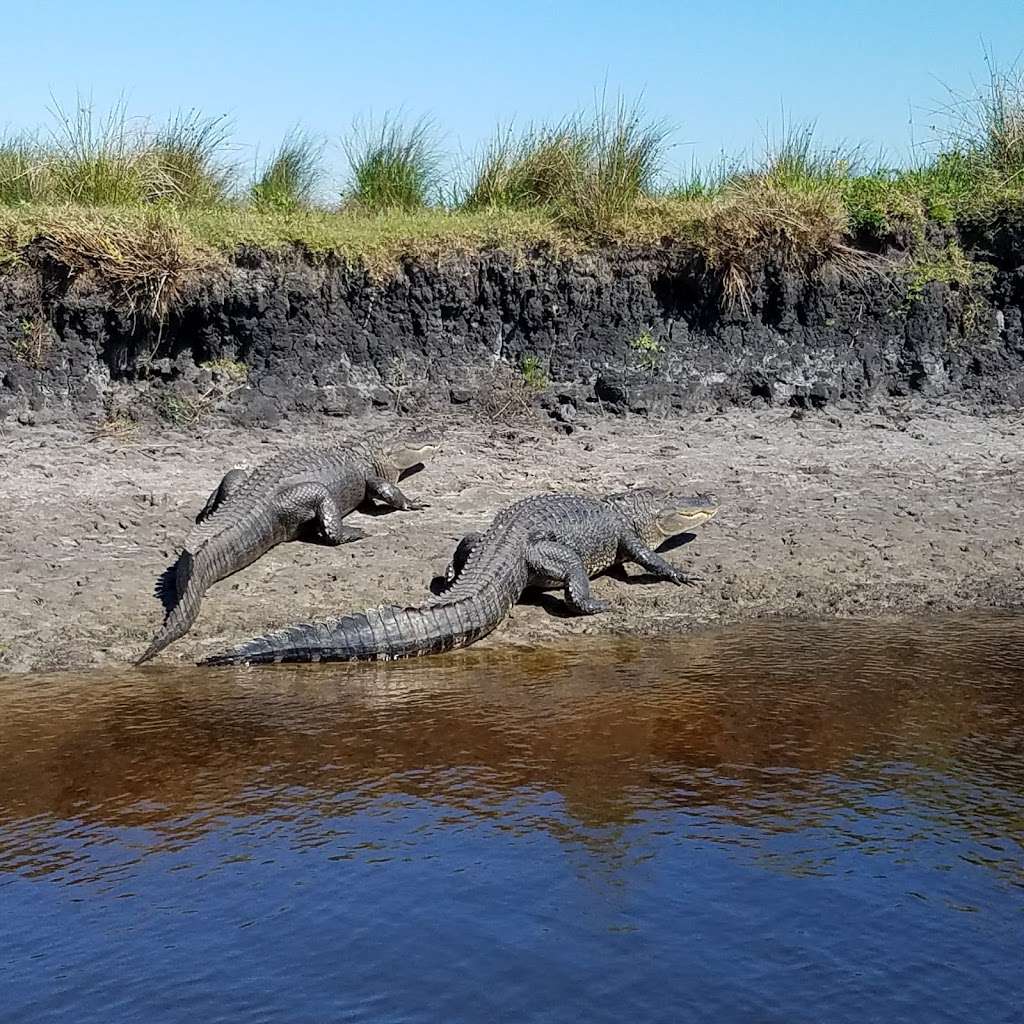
x: 549, y: 560
x: 391, y: 494
x: 634, y: 550
x: 233, y: 479
x: 461, y: 557
x: 331, y: 529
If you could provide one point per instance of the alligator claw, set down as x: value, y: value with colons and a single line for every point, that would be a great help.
x: 688, y: 579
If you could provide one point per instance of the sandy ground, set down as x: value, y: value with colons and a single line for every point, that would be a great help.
x: 864, y: 515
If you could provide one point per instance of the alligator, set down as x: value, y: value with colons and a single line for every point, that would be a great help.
x: 299, y: 494
x: 556, y: 541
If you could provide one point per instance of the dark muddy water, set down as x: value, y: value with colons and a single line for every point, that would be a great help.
x: 777, y: 824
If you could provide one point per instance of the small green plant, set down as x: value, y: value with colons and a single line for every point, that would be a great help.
x: 232, y: 369
x: 181, y: 410
x: 969, y: 278
x: 648, y: 351
x: 394, y: 167
x: 949, y: 266
x: 534, y: 375
x: 288, y: 181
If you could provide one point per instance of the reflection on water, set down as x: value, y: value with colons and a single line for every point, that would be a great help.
x: 778, y: 823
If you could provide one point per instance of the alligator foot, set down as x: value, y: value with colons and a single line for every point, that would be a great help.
x: 391, y: 494
x: 650, y: 560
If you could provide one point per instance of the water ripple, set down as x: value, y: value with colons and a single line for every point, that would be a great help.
x: 776, y: 823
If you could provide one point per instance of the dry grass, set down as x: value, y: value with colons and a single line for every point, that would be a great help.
x: 380, y: 242
x: 115, y: 428
x: 146, y: 258
x: 502, y: 393
x: 758, y: 221
x: 33, y: 342
x: 149, y: 254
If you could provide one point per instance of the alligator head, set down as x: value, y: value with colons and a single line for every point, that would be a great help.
x: 659, y: 514
x: 409, y: 455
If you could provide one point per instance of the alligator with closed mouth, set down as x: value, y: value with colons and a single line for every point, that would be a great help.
x: 301, y: 493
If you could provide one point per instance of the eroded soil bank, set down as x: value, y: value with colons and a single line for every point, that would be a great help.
x: 851, y: 515
x: 283, y: 335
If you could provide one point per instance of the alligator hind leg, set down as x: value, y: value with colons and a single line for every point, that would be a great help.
x: 461, y: 557
x: 549, y: 560
x: 391, y: 494
x: 634, y: 550
x: 233, y: 479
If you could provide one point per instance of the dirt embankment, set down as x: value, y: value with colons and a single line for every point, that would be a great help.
x: 645, y: 330
x: 856, y: 515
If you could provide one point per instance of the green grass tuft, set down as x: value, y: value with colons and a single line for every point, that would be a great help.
x: 289, y: 179
x: 626, y: 151
x: 393, y: 167
x: 532, y: 170
x: 587, y: 172
x: 986, y: 126
x: 94, y: 159
x: 182, y: 163
x: 21, y: 178
x: 534, y: 375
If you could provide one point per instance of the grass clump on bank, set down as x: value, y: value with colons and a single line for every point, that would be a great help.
x: 20, y: 171
x: 394, y: 166
x: 586, y: 173
x: 91, y: 159
x: 183, y: 163
x: 289, y: 179
x: 790, y: 208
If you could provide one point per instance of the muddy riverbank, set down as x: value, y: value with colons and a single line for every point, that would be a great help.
x: 854, y: 515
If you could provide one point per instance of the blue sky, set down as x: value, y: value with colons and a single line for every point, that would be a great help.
x: 722, y: 72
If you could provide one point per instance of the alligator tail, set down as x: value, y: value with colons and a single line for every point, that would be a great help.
x: 190, y: 586
x: 386, y: 633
